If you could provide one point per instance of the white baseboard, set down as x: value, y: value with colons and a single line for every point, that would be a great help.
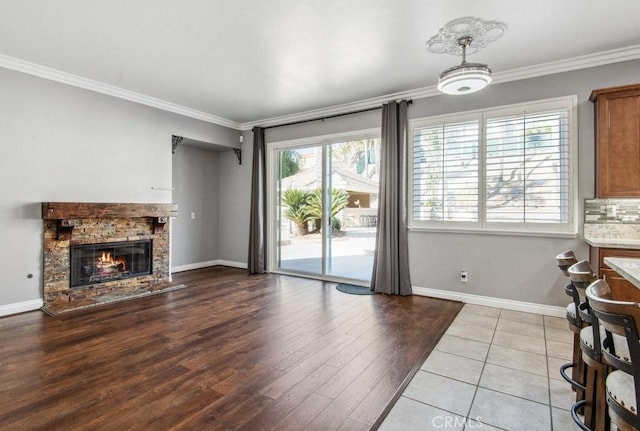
x: 509, y: 304
x: 21, y: 307
x: 199, y: 265
x: 233, y: 264
x: 190, y: 266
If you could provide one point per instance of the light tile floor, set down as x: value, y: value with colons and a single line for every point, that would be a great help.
x: 494, y: 369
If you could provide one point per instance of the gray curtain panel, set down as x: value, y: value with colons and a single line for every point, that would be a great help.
x: 391, y: 260
x: 256, y: 261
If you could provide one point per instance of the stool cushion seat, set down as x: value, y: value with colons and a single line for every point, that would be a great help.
x: 619, y: 342
x: 571, y: 310
x: 621, y: 388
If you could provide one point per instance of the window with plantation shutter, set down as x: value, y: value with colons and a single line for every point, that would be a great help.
x: 503, y: 169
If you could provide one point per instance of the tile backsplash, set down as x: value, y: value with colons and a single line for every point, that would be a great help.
x: 612, y: 211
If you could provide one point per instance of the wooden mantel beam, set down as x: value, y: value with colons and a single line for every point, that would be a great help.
x: 76, y: 210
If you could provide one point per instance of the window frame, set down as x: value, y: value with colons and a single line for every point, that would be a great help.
x: 568, y: 229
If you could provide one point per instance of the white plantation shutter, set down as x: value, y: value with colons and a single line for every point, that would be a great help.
x: 506, y: 169
x: 445, y: 172
x: 527, y: 168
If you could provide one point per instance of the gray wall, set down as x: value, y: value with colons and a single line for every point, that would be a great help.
x: 195, y: 189
x: 235, y: 194
x: 512, y: 267
x: 61, y: 143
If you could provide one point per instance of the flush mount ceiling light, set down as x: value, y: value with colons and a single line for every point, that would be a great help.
x: 466, y: 77
x: 466, y: 36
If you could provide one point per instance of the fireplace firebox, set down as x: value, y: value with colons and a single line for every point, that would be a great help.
x: 103, y: 262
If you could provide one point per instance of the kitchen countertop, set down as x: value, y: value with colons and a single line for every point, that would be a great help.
x: 629, y: 268
x: 612, y: 235
x: 612, y: 242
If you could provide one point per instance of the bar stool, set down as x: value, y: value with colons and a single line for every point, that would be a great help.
x: 620, y: 320
x: 596, y: 369
x: 565, y: 260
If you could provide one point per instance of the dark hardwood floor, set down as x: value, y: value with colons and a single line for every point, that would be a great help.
x: 229, y: 352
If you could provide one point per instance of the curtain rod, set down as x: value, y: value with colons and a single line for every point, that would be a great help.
x: 409, y: 102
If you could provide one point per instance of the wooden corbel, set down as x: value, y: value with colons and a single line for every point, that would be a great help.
x: 65, y: 229
x: 159, y: 223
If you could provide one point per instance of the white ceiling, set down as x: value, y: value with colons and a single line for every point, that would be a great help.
x: 248, y: 61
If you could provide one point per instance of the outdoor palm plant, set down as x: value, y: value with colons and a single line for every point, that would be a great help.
x: 295, y: 202
x: 339, y: 200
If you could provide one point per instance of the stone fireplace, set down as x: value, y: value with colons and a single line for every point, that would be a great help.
x: 103, y: 252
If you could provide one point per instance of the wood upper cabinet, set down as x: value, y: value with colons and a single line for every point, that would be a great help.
x: 617, y: 122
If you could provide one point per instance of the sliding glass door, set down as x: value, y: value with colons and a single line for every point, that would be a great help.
x: 324, y: 208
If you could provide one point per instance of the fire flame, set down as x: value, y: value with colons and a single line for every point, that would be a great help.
x: 107, y: 260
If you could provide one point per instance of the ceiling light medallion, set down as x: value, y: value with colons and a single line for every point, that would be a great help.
x: 466, y: 36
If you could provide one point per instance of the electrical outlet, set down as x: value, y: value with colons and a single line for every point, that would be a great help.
x: 193, y: 216
x: 464, y: 276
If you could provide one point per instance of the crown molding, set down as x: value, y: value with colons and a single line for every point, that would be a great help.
x: 575, y: 63
x: 110, y: 90
x: 343, y: 108
x: 567, y: 65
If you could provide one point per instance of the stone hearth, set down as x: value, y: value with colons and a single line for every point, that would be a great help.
x: 80, y: 223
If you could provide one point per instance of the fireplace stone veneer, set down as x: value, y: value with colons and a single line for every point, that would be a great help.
x: 78, y: 224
